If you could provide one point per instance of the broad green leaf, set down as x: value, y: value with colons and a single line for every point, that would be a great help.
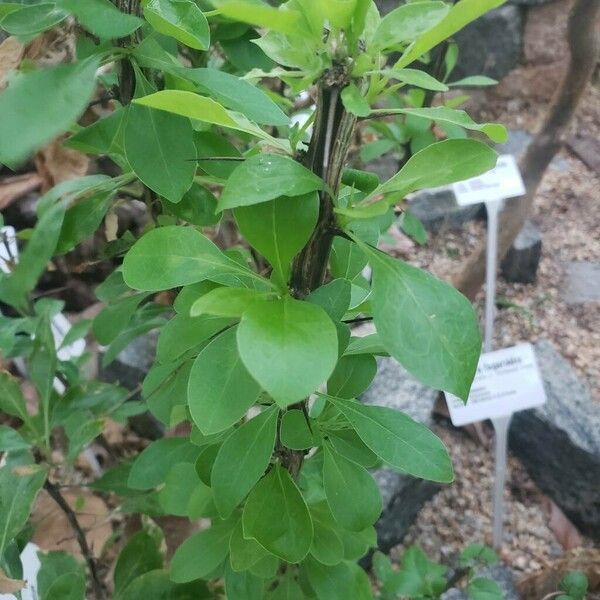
x: 442, y: 114
x: 180, y: 485
x: 102, y: 18
x: 461, y: 14
x: 242, y: 460
x: 265, y: 177
x: 340, y: 582
x: 482, y: 588
x: 292, y: 51
x: 276, y: 516
x: 417, y: 78
x: 226, y: 302
x: 347, y: 443
x: 244, y: 553
x: 49, y: 101
x: 174, y: 256
x: 419, y: 576
x: 347, y: 260
x: 474, y: 80
x: 19, y: 487
x: 333, y: 298
x: 290, y: 347
x: 139, y: 556
x: 111, y: 321
x: 352, y: 494
x: 267, y: 567
x: 67, y: 586
x: 425, y: 324
x: 440, y: 164
x: 237, y: 94
x: 261, y: 14
x: 279, y: 229
x: 573, y: 583
x: 182, y: 333
x: 54, y: 565
x: 413, y: 227
x: 407, y: 22
x: 287, y: 589
x: 398, y: 440
x: 152, y: 466
x: 165, y: 391
x: 220, y: 389
x: 211, y: 145
x: 201, y: 553
x: 11, y: 440
x: 356, y: 545
x: 243, y: 586
x: 33, y: 19
x: 157, y: 585
x: 354, y: 102
x: 105, y: 136
x: 12, y: 401
x: 206, y: 461
x: 352, y: 376
x: 159, y: 147
x: 15, y: 287
x: 478, y: 554
x: 327, y: 546
x: 197, y: 207
x: 180, y: 19
x: 295, y: 432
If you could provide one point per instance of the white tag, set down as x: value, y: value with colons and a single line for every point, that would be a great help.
x: 502, y: 182
x: 507, y: 381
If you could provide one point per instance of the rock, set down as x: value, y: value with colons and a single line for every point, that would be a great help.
x: 129, y: 370
x: 438, y: 209
x: 385, y: 167
x: 523, y: 258
x: 492, y: 44
x: 403, y: 495
x: 500, y: 573
x: 518, y: 140
x: 559, y: 443
x: 581, y: 282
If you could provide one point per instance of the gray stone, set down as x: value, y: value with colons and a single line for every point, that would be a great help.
x: 500, y: 573
x: 492, y: 44
x: 559, y: 443
x: 437, y: 209
x: 403, y: 495
x: 385, y: 167
x: 521, y: 263
x: 581, y: 282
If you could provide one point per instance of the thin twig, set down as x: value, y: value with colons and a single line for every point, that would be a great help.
x: 358, y: 320
x: 55, y: 494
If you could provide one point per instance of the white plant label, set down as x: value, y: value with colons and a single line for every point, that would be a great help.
x: 506, y: 381
x: 502, y: 182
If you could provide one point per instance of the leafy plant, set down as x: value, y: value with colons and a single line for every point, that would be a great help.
x: 258, y: 357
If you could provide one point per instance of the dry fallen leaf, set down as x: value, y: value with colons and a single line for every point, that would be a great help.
x: 566, y: 533
x: 8, y: 585
x: 11, y: 52
x: 111, y: 226
x: 53, y: 531
x: 56, y: 164
x: 13, y: 188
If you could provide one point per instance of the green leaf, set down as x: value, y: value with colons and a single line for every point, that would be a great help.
x: 102, y: 18
x: 226, y: 302
x: 67, y: 586
x: 179, y: 487
x: 352, y: 376
x: 220, y: 389
x: 243, y: 586
x: 413, y: 227
x: 156, y: 585
x: 398, y: 440
x: 11, y: 397
x: 105, y: 136
x: 169, y: 257
x: 478, y: 554
x: 295, y: 432
x: 11, y: 440
x: 113, y: 319
x: 160, y: 147
x: 441, y: 163
x: 408, y: 22
x: 482, y: 588
x: 276, y: 516
x: 244, y: 553
x: 340, y: 582
x: 347, y: 443
x: 474, y: 80
x: 354, y: 102
x: 574, y: 583
x: 197, y: 207
x: 287, y: 589
x: 419, y: 576
x: 416, y: 78
x: 333, y: 298
x: 290, y: 347
x: 139, y: 556
x: 442, y: 114
x: 352, y: 494
x: 279, y: 229
x: 262, y: 15
x: 201, y: 553
x: 43, y: 111
x: 461, y: 14
x: 53, y: 566
x: 347, y: 260
x: 152, y: 466
x: 425, y: 324
x: 182, y: 333
x: 327, y: 546
x: 265, y: 177
x: 242, y: 460
x: 165, y: 390
x: 237, y: 94
x: 19, y: 487
x: 31, y: 20
x: 180, y: 19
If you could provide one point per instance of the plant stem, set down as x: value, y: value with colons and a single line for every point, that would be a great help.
x: 55, y: 494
